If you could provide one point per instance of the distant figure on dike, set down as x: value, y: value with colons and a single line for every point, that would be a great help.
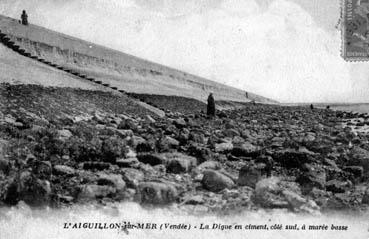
x: 328, y: 107
x: 247, y: 95
x: 24, y: 18
x: 312, y: 106
x: 211, y: 105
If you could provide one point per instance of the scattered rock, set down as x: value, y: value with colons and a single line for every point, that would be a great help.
x: 136, y: 140
x: 201, y: 153
x: 112, y: 149
x: 96, y: 165
x: 250, y: 174
x: 128, y: 124
x: 149, y: 119
x: 124, y: 133
x: 268, y: 193
x: 132, y: 177
x: 179, y: 163
x: 92, y: 192
x: 128, y: 162
x: 113, y: 180
x: 336, y: 186
x: 31, y: 190
x: 42, y: 169
x: 356, y: 171
x: 211, y: 164
x: 194, y: 200
x: 231, y: 133
x: 292, y: 158
x: 63, y: 170
x: 312, y: 176
x: 152, y: 159
x: 4, y: 165
x: 300, y: 204
x: 275, y: 193
x: 180, y: 123
x: 365, y: 199
x: 156, y: 193
x: 64, y: 134
x: 215, y: 181
x: 245, y: 150
x: 223, y: 147
x: 166, y: 143
x: 360, y: 157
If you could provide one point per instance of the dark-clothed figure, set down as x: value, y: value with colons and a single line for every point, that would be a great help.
x: 328, y: 107
x: 24, y: 18
x: 211, y: 105
x: 247, y: 95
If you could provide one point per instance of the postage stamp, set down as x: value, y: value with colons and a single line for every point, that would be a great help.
x: 355, y: 31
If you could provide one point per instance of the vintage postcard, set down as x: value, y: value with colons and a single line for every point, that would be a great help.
x: 184, y: 119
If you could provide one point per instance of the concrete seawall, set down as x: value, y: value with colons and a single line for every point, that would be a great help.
x: 116, y: 68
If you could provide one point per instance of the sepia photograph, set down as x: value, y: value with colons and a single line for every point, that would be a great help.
x: 184, y: 119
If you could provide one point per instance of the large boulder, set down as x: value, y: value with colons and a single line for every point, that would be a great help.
x: 158, y: 193
x: 215, y: 181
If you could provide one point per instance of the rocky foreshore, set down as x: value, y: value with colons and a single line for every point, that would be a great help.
x: 261, y: 156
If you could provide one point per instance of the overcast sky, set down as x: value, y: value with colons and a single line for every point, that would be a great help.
x: 288, y: 50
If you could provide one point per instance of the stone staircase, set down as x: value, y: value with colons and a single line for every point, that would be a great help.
x: 6, y: 40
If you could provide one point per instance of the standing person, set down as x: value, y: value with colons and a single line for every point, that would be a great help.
x: 247, y: 95
x: 211, y: 105
x: 24, y: 18
x: 311, y: 106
